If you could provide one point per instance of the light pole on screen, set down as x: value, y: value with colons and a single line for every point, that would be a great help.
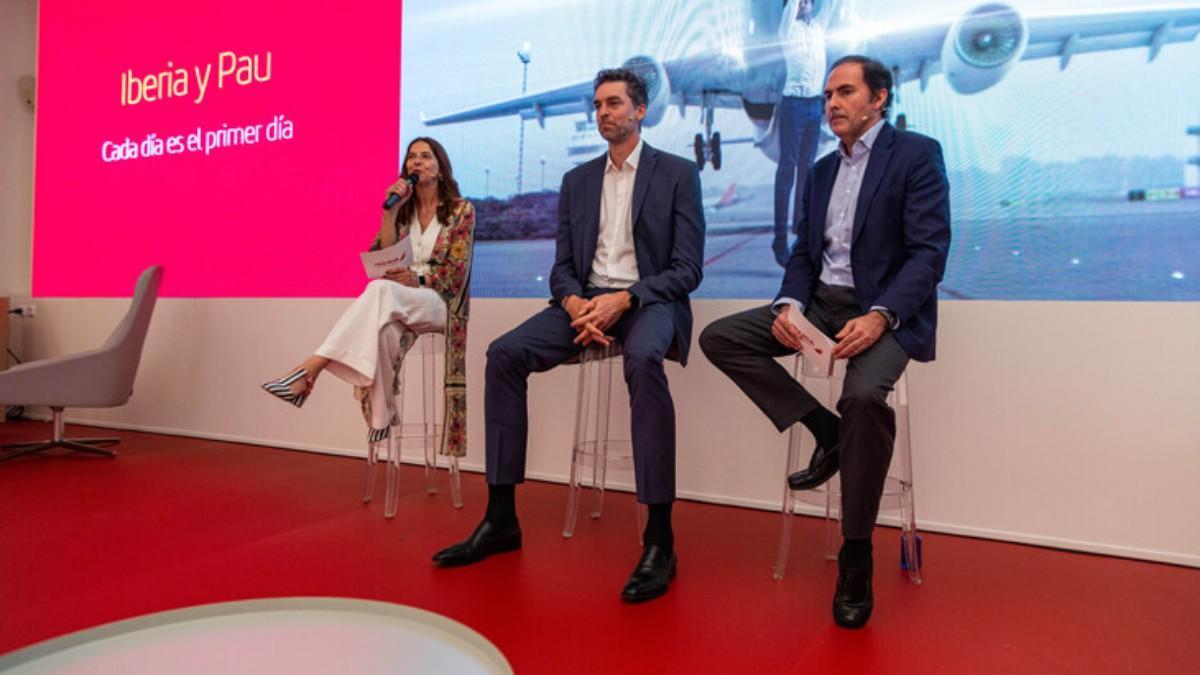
x: 524, y: 55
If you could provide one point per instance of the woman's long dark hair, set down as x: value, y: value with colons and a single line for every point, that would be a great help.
x: 448, y: 194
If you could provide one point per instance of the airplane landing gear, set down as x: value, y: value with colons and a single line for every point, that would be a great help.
x: 708, y: 150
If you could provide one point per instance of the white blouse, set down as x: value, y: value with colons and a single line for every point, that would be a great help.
x: 423, y: 242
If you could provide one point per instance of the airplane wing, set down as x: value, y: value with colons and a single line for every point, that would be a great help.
x: 991, y: 35
x: 692, y: 79
x: 564, y: 100
x: 981, y: 44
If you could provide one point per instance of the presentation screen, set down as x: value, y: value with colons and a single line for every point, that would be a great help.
x: 245, y: 146
x: 1069, y: 128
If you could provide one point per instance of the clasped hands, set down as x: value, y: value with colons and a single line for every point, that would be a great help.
x: 856, y: 337
x: 591, y: 318
x: 401, y: 275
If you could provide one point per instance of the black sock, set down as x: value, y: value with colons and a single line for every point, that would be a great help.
x: 856, y: 552
x: 658, y: 527
x: 823, y: 425
x: 502, y: 505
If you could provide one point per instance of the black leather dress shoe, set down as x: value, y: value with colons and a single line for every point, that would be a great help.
x: 652, y: 575
x: 484, y: 541
x: 821, y: 467
x: 853, y: 600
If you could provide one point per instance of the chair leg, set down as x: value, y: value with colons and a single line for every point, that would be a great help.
x: 833, y: 520
x: 455, y: 484
x: 599, y: 478
x: 795, y: 436
x: 582, y: 394
x: 372, y: 460
x: 394, y: 439
x: 90, y: 446
x: 21, y: 449
x: 15, y: 450
x: 84, y: 447
x: 95, y: 441
x: 785, y: 534
x: 910, y: 538
x: 600, y: 458
x: 27, y: 444
x: 430, y: 468
x: 428, y: 418
x: 572, y: 496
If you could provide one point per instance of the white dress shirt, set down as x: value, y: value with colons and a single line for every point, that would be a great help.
x: 615, y: 264
x: 423, y: 242
x: 803, y: 45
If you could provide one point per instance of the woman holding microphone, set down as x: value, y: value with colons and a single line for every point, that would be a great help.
x: 367, y: 345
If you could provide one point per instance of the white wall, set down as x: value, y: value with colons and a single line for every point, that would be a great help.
x: 1072, y: 425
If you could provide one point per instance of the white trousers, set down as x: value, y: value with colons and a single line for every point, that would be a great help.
x: 366, y: 341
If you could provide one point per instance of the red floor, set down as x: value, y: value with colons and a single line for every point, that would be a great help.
x: 175, y: 522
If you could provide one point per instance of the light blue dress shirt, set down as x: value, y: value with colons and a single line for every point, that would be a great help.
x: 839, y: 219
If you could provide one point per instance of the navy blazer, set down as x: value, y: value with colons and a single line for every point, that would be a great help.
x: 900, y: 240
x: 668, y: 234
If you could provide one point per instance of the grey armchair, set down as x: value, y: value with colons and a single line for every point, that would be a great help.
x: 99, y: 378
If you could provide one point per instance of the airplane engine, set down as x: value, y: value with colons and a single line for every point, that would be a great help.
x: 982, y: 45
x: 657, y: 85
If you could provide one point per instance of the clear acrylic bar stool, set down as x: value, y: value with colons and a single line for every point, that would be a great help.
x: 594, y: 445
x: 897, y: 490
x: 428, y: 431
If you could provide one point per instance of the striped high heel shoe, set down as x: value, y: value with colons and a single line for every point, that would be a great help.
x: 282, y: 388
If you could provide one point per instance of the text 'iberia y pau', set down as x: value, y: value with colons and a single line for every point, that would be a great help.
x: 231, y: 69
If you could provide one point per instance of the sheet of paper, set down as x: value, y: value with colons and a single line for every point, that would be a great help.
x: 399, y: 254
x: 818, y: 347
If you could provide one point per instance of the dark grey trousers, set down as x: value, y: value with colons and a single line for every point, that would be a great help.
x: 742, y: 347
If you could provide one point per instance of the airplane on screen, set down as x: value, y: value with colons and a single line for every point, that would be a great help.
x: 730, y: 197
x: 973, y: 50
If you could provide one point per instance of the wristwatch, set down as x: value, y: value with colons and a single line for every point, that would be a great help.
x: 887, y: 315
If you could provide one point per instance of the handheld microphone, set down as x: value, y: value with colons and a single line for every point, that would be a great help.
x: 394, y: 198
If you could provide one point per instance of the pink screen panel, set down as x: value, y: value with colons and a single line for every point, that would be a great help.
x: 277, y: 129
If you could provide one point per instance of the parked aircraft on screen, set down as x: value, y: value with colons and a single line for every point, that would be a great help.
x: 728, y: 198
x: 973, y: 50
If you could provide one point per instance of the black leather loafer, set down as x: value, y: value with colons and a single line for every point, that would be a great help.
x: 652, y: 575
x: 853, y: 601
x: 821, y: 467
x: 484, y: 541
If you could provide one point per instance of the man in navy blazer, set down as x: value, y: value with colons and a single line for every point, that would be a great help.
x: 629, y: 250
x: 874, y: 233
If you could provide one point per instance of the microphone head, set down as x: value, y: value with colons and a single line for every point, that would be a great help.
x: 413, y: 178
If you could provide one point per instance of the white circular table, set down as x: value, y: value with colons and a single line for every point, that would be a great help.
x: 284, y: 635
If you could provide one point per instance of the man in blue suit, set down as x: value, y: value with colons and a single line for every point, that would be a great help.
x: 874, y: 233
x: 629, y: 250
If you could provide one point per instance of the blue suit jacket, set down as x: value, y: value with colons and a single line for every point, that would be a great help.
x: 668, y: 234
x: 900, y: 240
